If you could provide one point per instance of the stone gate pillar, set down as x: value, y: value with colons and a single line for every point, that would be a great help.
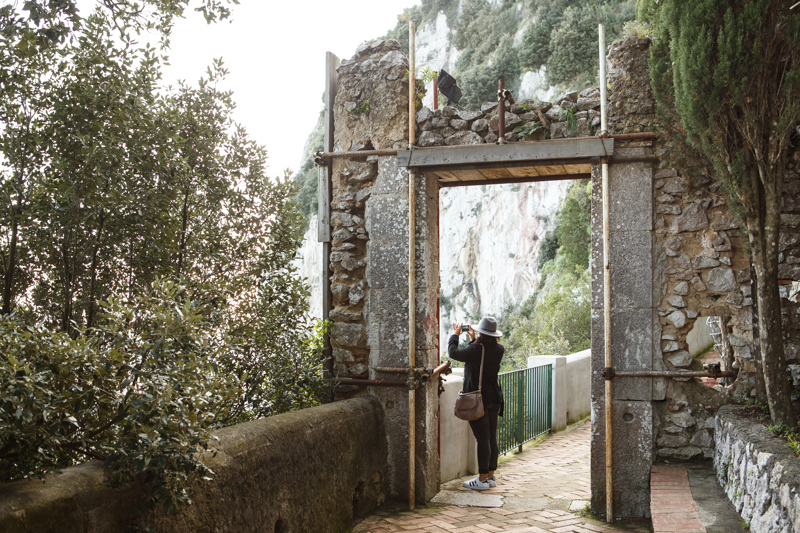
x: 635, y: 326
x: 369, y: 259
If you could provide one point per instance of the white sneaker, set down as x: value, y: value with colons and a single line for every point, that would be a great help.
x: 476, y: 484
x: 491, y: 481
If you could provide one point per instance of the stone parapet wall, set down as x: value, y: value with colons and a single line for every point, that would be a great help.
x: 309, y: 470
x: 759, y: 473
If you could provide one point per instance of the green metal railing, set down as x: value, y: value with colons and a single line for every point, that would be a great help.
x: 528, y: 410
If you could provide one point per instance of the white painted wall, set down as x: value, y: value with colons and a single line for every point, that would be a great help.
x: 571, y: 402
x: 699, y: 339
x: 571, y: 386
x: 459, y: 451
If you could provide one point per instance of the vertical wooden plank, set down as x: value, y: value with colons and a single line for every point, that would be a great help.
x: 324, y: 203
x: 325, y: 190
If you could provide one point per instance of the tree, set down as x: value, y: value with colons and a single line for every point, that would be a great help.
x: 574, y: 228
x: 730, y: 72
x: 45, y: 23
x: 150, y: 290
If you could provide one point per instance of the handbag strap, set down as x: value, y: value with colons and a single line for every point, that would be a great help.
x: 480, y: 377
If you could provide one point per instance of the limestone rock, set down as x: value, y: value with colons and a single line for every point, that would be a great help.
x: 347, y: 334
x: 670, y: 346
x: 672, y: 441
x: 682, y: 454
x: 343, y: 356
x: 424, y: 115
x: 480, y: 125
x: 702, y: 439
x: 677, y: 318
x: 512, y: 121
x: 681, y: 359
x: 357, y: 292
x: 469, y: 116
x: 681, y: 289
x: 693, y: 218
x: 721, y: 279
x: 682, y: 419
x: 430, y: 138
x: 676, y: 301
x: 702, y: 262
x: 464, y: 137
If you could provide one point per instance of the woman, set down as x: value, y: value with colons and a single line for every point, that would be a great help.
x: 484, y: 428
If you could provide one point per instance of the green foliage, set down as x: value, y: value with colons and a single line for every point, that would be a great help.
x: 138, y: 393
x: 556, y: 319
x: 46, y: 23
x: 726, y: 79
x: 362, y: 108
x: 149, y: 288
x: 574, y: 229
x: 647, y: 10
x: 523, y: 132
x: 536, y: 49
x: 559, y: 323
x: 426, y: 75
x: 573, y: 55
x: 548, y: 249
x: 305, y: 180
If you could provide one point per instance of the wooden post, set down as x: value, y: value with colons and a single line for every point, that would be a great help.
x: 324, y: 194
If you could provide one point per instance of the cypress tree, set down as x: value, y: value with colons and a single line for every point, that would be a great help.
x: 729, y: 70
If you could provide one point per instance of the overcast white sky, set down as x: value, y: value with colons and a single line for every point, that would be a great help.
x: 275, y: 52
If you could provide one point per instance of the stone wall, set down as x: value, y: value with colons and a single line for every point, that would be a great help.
x: 309, y: 470
x: 573, y: 115
x: 759, y: 473
x: 369, y: 258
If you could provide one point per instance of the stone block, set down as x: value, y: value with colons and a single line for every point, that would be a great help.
x: 721, y: 279
x: 387, y: 217
x: 631, y: 190
x: 632, y: 349
x: 693, y: 218
x: 387, y: 262
x: 391, y: 179
x: 632, y: 456
x: 631, y: 269
x: 347, y: 335
x: 388, y: 308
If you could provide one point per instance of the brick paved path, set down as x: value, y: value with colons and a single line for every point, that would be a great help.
x: 535, y: 491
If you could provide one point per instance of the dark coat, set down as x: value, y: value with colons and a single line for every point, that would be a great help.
x: 471, y: 355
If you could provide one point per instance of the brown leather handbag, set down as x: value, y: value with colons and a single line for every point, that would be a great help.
x: 469, y: 405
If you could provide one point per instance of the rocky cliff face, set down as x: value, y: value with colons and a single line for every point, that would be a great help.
x: 489, y: 246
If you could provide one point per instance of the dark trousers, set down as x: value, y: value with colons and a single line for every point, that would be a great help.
x: 485, y: 431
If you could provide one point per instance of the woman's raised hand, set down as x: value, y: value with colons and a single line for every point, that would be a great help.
x: 457, y: 329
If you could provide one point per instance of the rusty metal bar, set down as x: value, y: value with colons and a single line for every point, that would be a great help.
x: 370, y: 382
x: 412, y: 228
x: 673, y: 374
x: 606, y: 285
x: 441, y: 368
x: 501, y: 111
x: 637, y: 136
x: 391, y: 370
